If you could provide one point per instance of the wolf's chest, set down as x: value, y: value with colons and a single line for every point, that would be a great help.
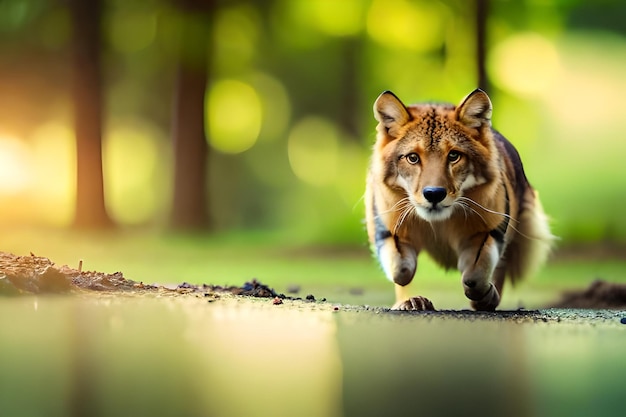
x: 440, y: 243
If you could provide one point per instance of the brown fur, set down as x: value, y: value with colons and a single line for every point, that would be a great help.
x: 442, y: 180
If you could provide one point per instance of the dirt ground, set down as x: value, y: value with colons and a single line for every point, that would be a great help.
x: 19, y: 275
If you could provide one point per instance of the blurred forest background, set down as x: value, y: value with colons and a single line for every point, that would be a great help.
x: 238, y: 115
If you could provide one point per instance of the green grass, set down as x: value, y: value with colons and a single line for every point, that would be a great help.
x: 345, y: 274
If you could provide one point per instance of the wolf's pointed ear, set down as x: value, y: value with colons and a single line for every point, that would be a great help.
x: 390, y: 112
x: 475, y: 110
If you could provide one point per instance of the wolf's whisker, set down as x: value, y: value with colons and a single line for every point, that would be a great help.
x: 399, y: 205
x: 467, y: 199
x: 464, y: 204
x: 406, y: 210
x: 470, y: 208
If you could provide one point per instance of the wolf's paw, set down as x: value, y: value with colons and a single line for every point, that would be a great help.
x: 414, y: 304
x: 487, y: 302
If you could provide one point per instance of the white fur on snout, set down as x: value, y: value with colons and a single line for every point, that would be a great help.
x: 443, y: 212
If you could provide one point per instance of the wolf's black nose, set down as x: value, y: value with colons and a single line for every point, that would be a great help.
x: 434, y: 194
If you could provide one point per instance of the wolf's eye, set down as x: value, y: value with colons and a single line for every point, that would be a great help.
x: 412, y: 158
x: 454, y: 156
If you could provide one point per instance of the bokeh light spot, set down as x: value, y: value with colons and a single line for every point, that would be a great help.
x: 594, y: 65
x: 336, y: 18
x: 234, y: 116
x: 313, y: 148
x: 524, y: 64
x: 131, y: 158
x: 402, y: 24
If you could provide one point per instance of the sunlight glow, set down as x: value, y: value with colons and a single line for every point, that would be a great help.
x: 313, y: 148
x: 525, y: 64
x: 234, y: 116
x: 54, y: 156
x: 15, y: 165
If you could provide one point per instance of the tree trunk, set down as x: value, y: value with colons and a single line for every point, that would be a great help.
x: 482, y: 13
x: 87, y: 96
x: 189, y: 206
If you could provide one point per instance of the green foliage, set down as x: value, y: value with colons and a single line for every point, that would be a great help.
x: 289, y: 106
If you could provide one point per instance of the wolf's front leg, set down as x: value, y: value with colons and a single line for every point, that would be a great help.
x: 478, y: 258
x: 399, y: 261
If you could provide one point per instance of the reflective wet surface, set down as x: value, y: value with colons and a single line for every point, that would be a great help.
x: 185, y: 356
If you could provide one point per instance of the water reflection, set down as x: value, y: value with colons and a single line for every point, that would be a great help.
x: 408, y: 366
x: 63, y: 356
x: 71, y: 356
x: 268, y: 361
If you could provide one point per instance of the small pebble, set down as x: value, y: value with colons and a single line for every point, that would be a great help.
x: 277, y: 301
x: 310, y: 297
x: 293, y: 289
x: 336, y: 308
x: 356, y: 291
x: 623, y: 320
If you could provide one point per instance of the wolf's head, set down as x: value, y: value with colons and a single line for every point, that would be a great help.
x: 436, y: 154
